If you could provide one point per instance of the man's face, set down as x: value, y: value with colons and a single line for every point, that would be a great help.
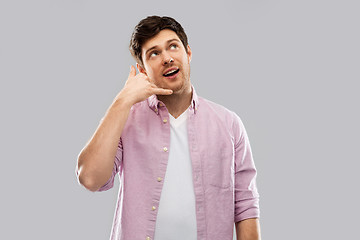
x: 166, y: 62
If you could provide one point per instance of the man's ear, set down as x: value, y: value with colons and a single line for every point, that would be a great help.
x: 141, y: 70
x: 189, y: 53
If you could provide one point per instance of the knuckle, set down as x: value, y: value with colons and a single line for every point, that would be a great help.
x: 148, y: 90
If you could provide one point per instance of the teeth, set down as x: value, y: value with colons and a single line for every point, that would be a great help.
x: 171, y: 71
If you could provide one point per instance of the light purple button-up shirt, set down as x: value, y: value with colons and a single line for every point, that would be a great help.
x: 223, y: 170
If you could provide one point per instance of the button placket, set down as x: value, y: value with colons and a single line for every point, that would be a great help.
x: 162, y: 113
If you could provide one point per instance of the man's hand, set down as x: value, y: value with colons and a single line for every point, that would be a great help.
x: 138, y: 88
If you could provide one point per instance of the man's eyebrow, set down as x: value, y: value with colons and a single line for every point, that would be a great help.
x: 168, y: 41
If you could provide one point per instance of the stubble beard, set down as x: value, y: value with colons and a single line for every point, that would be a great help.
x: 185, y: 86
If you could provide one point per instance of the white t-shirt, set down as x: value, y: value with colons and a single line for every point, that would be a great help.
x: 176, y: 218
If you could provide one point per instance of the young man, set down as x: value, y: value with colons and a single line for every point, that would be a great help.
x: 185, y: 164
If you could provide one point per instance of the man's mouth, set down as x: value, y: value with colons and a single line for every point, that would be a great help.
x: 171, y: 72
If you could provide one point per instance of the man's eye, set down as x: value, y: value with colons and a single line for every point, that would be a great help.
x: 173, y: 46
x: 153, y: 54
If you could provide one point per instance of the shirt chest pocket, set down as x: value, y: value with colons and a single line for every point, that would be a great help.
x: 218, y: 168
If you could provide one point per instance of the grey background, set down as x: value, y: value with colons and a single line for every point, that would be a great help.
x: 290, y: 69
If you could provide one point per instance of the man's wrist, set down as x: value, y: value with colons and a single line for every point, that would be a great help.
x: 122, y: 101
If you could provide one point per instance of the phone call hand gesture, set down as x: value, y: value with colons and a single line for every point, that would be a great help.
x: 138, y: 88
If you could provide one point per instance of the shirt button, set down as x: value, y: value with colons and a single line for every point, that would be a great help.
x: 165, y: 120
x: 161, y: 105
x: 148, y: 238
x: 153, y: 208
x: 165, y: 149
x: 159, y: 179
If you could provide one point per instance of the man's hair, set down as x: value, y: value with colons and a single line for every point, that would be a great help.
x: 148, y: 28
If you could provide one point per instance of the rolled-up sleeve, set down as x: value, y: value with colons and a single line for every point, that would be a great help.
x: 117, y: 167
x: 246, y: 193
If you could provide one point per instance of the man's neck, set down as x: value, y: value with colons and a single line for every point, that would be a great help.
x: 177, y: 103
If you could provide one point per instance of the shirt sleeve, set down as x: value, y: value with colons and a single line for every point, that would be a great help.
x: 246, y: 194
x: 117, y: 167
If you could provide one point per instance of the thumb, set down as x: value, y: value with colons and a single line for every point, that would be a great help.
x: 132, y: 71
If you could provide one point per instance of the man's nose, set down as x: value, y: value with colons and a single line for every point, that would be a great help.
x: 167, y: 59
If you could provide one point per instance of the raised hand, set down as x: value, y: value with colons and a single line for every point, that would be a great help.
x: 138, y: 88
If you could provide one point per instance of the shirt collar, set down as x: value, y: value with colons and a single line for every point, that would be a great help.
x: 154, y: 103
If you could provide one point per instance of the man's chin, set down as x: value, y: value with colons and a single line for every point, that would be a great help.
x: 178, y: 86
x: 174, y: 86
x: 178, y: 89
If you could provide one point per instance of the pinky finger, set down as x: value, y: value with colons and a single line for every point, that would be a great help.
x: 162, y: 91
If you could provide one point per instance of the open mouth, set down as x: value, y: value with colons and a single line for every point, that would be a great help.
x: 171, y: 73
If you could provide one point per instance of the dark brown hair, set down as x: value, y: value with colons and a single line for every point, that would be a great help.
x: 148, y: 28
